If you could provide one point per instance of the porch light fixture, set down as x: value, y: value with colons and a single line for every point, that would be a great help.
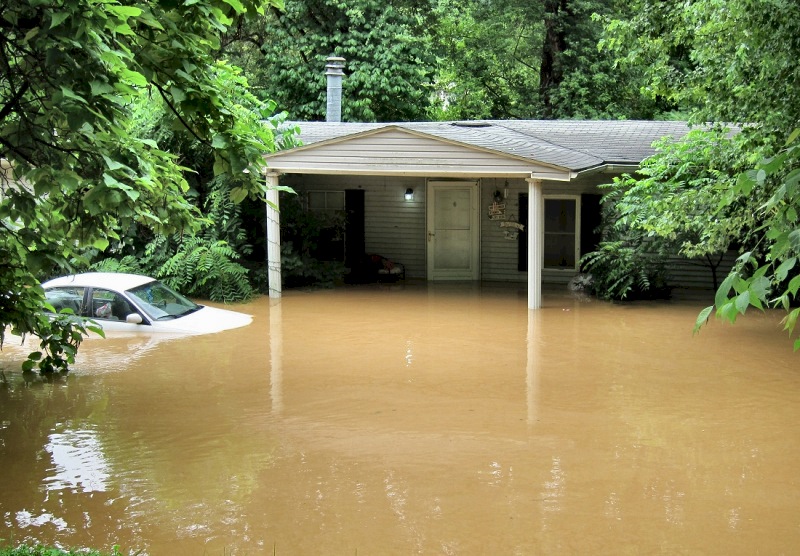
x: 409, y: 194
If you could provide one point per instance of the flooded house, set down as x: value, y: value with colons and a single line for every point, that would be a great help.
x: 507, y: 201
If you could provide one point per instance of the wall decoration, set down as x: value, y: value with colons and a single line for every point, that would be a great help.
x: 497, y: 211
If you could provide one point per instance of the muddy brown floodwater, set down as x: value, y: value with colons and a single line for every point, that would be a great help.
x: 415, y: 419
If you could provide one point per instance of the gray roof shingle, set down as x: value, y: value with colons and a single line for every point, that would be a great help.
x: 572, y: 144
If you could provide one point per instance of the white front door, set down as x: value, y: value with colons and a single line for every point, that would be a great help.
x: 453, y: 230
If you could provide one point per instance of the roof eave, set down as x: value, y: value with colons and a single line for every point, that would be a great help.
x: 607, y: 168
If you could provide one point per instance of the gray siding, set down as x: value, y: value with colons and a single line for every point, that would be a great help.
x: 394, y: 227
x: 695, y: 274
x: 398, y: 152
x: 499, y: 255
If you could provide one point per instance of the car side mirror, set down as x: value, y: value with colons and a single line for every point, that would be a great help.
x: 134, y: 318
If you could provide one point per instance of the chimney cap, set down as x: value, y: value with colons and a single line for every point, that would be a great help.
x: 335, y: 65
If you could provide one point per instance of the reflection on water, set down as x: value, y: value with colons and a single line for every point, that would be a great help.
x: 421, y: 419
x: 78, y: 461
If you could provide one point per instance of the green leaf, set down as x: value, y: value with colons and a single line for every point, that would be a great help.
x: 742, y: 301
x: 238, y: 194
x: 236, y: 5
x: 123, y: 12
x: 794, y: 285
x: 219, y: 141
x: 178, y: 94
x: 745, y: 182
x: 31, y: 34
x: 725, y: 288
x: 100, y: 244
x: 794, y: 240
x: 728, y: 311
x: 791, y: 320
x: 783, y: 270
x: 134, y: 77
x: 702, y: 318
x: 759, y: 287
x: 66, y: 92
x: 58, y: 17
x: 112, y: 164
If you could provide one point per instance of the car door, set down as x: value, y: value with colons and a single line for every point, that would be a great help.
x: 110, y: 310
x: 69, y: 299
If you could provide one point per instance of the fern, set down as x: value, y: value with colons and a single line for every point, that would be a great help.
x: 622, y: 272
x: 208, y: 270
x: 128, y: 264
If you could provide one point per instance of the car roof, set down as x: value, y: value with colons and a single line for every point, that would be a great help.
x: 118, y: 281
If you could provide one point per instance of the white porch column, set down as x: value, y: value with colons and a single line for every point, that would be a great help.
x: 535, y: 242
x: 273, y: 236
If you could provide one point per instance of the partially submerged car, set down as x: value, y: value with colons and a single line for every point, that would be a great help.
x: 134, y: 303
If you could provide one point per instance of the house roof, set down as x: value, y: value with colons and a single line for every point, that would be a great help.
x: 573, y: 145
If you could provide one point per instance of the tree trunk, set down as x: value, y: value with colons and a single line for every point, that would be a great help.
x: 550, y: 73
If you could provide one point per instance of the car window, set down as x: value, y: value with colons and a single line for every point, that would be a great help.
x: 70, y: 298
x: 161, y: 302
x: 109, y: 305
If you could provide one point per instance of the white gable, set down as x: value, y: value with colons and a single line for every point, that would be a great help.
x: 398, y: 152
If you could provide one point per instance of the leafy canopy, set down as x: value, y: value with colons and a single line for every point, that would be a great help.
x: 75, y: 170
x: 385, y: 44
x: 733, y: 61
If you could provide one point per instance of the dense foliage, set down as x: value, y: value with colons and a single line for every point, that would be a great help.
x: 214, y: 261
x: 77, y: 176
x: 732, y: 61
x: 662, y: 211
x: 388, y: 66
x: 518, y: 59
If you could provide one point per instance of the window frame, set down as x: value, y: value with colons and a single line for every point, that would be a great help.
x: 576, y: 232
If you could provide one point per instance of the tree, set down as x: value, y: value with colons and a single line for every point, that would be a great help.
x: 70, y: 70
x: 488, y: 56
x: 768, y: 274
x: 733, y: 61
x: 519, y: 59
x: 663, y: 210
x: 219, y: 260
x: 388, y: 64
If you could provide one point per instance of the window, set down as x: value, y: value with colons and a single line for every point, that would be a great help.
x: 109, y: 305
x: 66, y: 298
x: 561, y: 232
x: 326, y: 202
x: 562, y: 217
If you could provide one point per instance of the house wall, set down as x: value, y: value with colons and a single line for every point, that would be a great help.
x: 696, y: 274
x: 395, y: 228
x: 499, y: 255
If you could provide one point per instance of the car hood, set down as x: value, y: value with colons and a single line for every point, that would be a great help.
x: 204, y: 321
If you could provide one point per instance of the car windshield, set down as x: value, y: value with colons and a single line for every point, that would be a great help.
x: 161, y: 302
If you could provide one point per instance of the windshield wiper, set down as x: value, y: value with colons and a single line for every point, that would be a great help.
x: 190, y: 310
